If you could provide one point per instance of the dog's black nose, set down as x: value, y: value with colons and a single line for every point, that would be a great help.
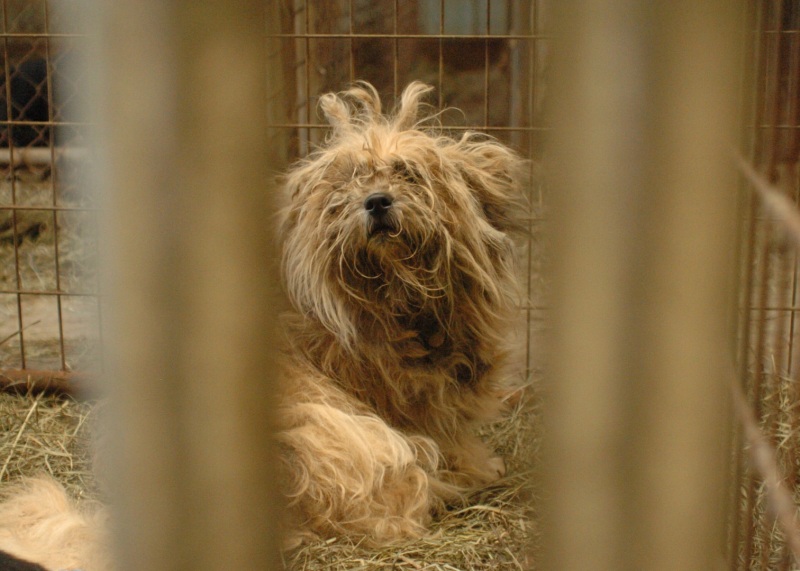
x: 377, y: 204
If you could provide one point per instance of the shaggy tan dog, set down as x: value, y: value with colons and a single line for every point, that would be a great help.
x: 399, y: 261
x: 398, y: 258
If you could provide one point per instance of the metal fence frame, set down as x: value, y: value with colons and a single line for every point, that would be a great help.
x: 768, y: 301
x: 40, y: 31
x: 294, y: 26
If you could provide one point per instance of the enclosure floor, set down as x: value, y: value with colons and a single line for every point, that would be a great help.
x: 496, y: 530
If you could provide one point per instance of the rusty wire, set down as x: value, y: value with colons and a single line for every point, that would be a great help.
x: 478, y: 66
x: 768, y: 339
x: 770, y: 298
x: 509, y: 30
x: 39, y: 151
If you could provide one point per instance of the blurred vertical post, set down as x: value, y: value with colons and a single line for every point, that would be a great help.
x: 644, y: 213
x: 179, y: 93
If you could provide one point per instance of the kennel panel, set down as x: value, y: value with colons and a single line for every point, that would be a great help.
x: 10, y: 349
x: 43, y: 322
x: 190, y: 370
x: 43, y: 163
x: 643, y: 224
x: 768, y: 301
x: 81, y: 317
x: 485, y: 59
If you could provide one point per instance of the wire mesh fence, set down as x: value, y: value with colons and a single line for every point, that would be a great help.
x: 768, y: 323
x: 49, y: 304
x: 485, y: 58
x: 488, y: 61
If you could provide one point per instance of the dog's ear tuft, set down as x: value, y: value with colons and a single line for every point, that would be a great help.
x: 496, y: 176
x: 336, y: 111
x: 366, y: 97
x: 354, y: 109
x: 408, y: 110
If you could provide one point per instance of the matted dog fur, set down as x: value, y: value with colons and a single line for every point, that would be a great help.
x: 399, y: 260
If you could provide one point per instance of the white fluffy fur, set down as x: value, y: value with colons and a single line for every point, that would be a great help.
x: 40, y: 523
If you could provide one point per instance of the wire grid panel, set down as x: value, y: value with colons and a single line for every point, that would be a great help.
x: 770, y: 295
x: 485, y: 58
x: 49, y: 302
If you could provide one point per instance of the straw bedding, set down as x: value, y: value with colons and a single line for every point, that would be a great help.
x: 52, y: 435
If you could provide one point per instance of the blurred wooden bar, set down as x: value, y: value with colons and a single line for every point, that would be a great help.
x: 644, y: 210
x: 184, y: 168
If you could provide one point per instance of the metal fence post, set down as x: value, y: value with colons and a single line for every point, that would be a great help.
x: 180, y: 100
x: 644, y: 211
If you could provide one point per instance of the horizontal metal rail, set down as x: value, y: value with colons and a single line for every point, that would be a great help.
x: 39, y: 155
x: 49, y: 382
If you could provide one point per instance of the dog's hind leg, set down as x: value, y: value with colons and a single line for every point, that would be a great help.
x: 351, y: 474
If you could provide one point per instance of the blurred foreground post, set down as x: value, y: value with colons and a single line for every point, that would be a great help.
x: 644, y: 212
x: 184, y: 166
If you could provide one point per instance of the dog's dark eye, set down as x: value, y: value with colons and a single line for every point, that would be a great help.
x: 406, y: 172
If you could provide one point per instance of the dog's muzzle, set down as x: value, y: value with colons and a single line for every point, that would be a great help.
x: 379, y: 208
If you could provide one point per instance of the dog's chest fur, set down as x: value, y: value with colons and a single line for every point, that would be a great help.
x: 412, y: 373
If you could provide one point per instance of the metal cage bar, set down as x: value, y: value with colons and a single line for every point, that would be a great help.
x: 643, y: 222
x: 191, y: 367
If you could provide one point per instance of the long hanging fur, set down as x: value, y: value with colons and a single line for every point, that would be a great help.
x: 398, y: 344
x: 400, y: 337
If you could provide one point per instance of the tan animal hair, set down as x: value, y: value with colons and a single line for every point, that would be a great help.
x: 398, y: 257
x: 40, y: 523
x: 401, y: 330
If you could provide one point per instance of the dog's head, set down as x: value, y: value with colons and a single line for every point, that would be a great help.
x: 388, y: 220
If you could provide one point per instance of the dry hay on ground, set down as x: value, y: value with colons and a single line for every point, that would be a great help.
x: 47, y: 434
x: 495, y: 531
x: 51, y: 434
